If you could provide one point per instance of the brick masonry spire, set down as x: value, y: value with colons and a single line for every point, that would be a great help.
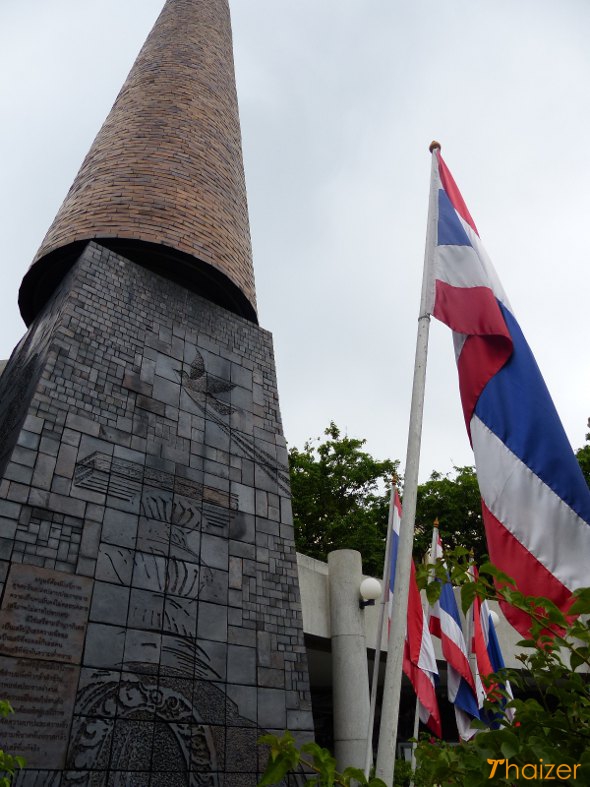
x: 163, y: 182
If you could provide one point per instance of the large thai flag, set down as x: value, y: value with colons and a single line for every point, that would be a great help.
x: 535, y: 501
x: 445, y: 623
x: 419, y: 662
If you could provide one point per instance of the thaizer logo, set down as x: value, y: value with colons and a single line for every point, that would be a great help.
x: 532, y: 770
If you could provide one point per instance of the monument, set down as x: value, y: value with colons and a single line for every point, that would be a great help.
x: 150, y: 625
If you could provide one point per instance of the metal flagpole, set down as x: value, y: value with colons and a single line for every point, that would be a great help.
x: 379, y: 637
x: 415, y: 736
x: 393, y: 670
x: 469, y: 628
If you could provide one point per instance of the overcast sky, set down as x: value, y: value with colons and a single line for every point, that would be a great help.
x: 339, y: 100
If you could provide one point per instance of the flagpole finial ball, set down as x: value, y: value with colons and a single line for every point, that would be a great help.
x: 434, y: 145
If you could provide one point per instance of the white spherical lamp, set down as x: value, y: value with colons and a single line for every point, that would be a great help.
x: 495, y: 617
x: 370, y: 590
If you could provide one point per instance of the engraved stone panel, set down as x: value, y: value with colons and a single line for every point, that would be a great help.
x: 43, y: 694
x: 44, y: 614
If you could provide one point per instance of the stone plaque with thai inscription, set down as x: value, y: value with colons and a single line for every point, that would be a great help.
x: 42, y: 624
x: 43, y: 695
x: 44, y: 614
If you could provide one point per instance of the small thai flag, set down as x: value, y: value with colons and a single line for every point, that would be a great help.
x: 419, y: 662
x: 445, y: 623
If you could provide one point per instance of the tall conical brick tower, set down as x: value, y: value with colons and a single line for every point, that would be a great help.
x: 150, y: 624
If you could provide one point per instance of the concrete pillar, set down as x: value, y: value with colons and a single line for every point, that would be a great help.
x: 350, y: 673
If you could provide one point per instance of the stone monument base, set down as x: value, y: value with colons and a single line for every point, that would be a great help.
x: 150, y: 623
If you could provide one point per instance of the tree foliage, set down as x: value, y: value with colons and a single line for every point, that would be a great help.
x: 583, y: 457
x: 340, y: 498
x: 340, y: 501
x: 341, y: 495
x: 9, y: 763
x: 284, y: 756
x: 454, y: 500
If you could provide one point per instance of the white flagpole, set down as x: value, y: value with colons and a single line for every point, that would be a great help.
x: 469, y: 629
x: 393, y: 670
x: 415, y: 736
x: 379, y: 637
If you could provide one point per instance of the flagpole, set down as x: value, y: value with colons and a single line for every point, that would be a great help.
x: 415, y: 737
x: 393, y: 669
x: 379, y: 636
x: 469, y: 627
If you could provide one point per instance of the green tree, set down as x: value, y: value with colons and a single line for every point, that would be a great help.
x: 340, y: 501
x: 340, y: 498
x: 454, y: 500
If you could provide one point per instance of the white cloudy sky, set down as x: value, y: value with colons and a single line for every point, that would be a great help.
x: 339, y: 100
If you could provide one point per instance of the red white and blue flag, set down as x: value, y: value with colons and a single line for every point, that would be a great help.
x: 419, y: 663
x: 535, y: 501
x: 445, y: 623
x: 488, y: 657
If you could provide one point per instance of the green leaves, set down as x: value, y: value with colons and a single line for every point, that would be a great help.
x: 509, y: 745
x: 581, y: 605
x: 284, y: 757
x: 340, y: 498
x: 323, y: 762
x: 454, y: 499
x: 5, y: 709
x: 583, y: 457
x: 468, y: 594
x: 9, y: 763
x: 553, y: 723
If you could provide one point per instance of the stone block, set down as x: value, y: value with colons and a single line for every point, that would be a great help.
x: 119, y: 527
x: 114, y: 564
x: 105, y: 646
x: 241, y: 665
x: 214, y: 552
x: 142, y: 651
x: 212, y: 622
x: 272, y: 712
x: 109, y: 604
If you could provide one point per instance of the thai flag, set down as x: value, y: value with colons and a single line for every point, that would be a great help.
x: 419, y: 662
x: 488, y: 656
x: 535, y: 501
x: 445, y: 623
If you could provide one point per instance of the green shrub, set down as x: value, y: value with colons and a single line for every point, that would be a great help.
x: 552, y: 725
x: 8, y: 762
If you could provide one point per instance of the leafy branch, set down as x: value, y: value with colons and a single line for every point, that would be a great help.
x: 551, y: 722
x: 284, y: 756
x: 8, y: 763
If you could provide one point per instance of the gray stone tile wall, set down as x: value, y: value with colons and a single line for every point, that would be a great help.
x: 143, y: 460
